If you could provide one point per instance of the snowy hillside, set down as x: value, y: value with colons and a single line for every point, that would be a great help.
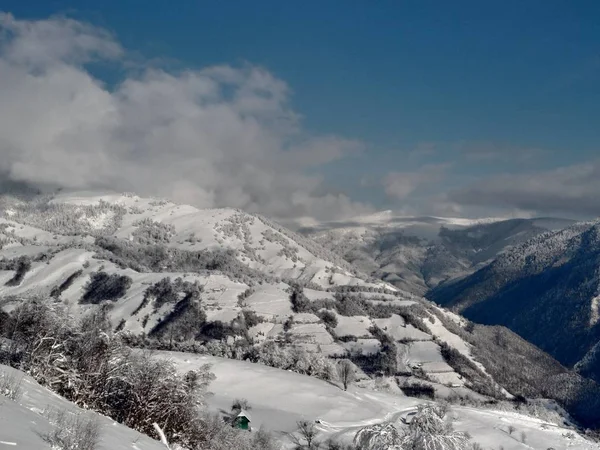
x: 27, y: 422
x: 417, y: 253
x: 341, y: 414
x: 225, y: 283
x: 545, y: 289
x: 29, y: 413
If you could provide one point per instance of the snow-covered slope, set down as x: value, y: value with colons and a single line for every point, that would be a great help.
x: 280, y: 398
x: 417, y: 253
x: 27, y: 421
x: 545, y: 289
x: 177, y: 274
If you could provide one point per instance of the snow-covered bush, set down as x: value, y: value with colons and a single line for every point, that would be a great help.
x: 72, y: 431
x: 149, y: 231
x: 99, y: 219
x: 90, y: 366
x: 160, y: 258
x: 11, y: 386
x: 428, y: 430
x: 379, y: 436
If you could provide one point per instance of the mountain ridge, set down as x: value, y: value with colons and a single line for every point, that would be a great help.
x: 545, y: 289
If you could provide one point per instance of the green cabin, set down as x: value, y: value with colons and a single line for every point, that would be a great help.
x: 242, y: 421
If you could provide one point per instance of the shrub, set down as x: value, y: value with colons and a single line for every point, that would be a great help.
x: 73, y: 431
x: 216, y: 330
x: 419, y: 390
x: 349, y: 306
x: 329, y: 318
x: 103, y: 286
x: 251, y: 318
x: 21, y: 266
x: 11, y: 386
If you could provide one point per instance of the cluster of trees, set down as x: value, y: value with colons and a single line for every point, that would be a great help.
x: 269, y: 353
x: 371, y: 289
x: 161, y: 258
x: 416, y: 389
x: 20, y: 265
x: 295, y: 359
x: 237, y: 225
x: 478, y: 381
x: 149, y: 231
x: 243, y: 296
x: 103, y: 286
x: 89, y: 365
x: 347, y: 303
x: 66, y: 219
x: 167, y: 291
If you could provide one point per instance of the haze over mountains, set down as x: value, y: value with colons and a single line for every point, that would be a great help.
x: 418, y: 253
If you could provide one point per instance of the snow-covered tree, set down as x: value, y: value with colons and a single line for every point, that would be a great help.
x: 429, y: 430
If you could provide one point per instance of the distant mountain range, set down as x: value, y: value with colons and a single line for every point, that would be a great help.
x: 418, y: 253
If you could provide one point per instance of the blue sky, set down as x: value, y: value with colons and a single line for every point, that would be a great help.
x: 462, y: 108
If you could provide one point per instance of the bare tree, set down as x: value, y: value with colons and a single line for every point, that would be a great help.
x: 346, y: 373
x: 307, y: 432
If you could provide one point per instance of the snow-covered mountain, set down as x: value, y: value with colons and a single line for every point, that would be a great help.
x: 237, y: 283
x: 546, y: 289
x: 417, y: 253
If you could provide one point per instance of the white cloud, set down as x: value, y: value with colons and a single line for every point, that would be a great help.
x: 401, y: 185
x: 572, y: 190
x: 221, y: 136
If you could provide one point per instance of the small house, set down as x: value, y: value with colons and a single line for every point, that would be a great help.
x: 242, y: 421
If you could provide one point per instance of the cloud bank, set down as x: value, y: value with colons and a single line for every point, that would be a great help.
x: 220, y: 136
x: 572, y: 190
x: 227, y: 136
